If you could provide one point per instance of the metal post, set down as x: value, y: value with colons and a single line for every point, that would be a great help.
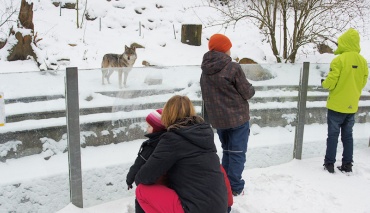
x: 301, y: 114
x: 73, y: 136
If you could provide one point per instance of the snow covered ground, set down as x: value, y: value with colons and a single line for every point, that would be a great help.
x: 274, y: 181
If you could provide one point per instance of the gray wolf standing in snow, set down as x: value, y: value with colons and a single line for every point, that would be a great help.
x: 121, y: 62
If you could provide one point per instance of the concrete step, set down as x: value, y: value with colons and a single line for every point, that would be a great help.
x: 99, y: 126
x: 119, y: 94
x: 140, y: 106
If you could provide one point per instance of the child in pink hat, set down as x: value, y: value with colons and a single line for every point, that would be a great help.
x: 154, y: 130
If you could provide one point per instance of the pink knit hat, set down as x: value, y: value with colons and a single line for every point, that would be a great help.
x: 154, y: 120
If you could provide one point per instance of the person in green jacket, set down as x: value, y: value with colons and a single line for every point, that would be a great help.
x: 345, y: 81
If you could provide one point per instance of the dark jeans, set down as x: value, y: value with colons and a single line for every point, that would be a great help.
x: 234, y: 143
x: 339, y: 123
x: 138, y: 208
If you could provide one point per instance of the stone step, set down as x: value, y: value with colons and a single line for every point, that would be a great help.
x: 127, y: 108
x: 98, y: 129
x: 295, y: 98
x: 120, y: 94
x: 96, y: 132
x: 142, y: 93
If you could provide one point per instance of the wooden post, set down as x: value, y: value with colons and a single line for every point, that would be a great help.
x: 191, y: 34
x: 139, y: 28
x: 174, y: 31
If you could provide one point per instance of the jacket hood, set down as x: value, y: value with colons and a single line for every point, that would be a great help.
x: 200, y: 135
x: 348, y: 42
x: 214, y: 62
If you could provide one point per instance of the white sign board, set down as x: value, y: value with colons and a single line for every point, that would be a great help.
x: 2, y: 109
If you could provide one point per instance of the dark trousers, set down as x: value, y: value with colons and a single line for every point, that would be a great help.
x: 339, y: 123
x: 138, y: 208
x: 234, y: 142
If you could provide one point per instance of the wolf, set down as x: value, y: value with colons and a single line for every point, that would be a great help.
x: 121, y: 62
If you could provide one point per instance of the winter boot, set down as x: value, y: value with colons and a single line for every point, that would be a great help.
x: 329, y: 167
x: 345, y: 167
x: 238, y: 193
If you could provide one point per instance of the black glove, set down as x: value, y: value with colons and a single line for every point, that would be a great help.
x: 322, y: 80
x: 129, y: 187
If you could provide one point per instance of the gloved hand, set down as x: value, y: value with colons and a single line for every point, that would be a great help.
x: 129, y: 187
x: 322, y: 81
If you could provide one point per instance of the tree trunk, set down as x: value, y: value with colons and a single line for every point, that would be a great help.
x: 272, y: 33
x: 284, y: 8
x: 191, y: 34
x: 23, y: 48
x: 26, y: 15
x: 274, y: 48
x: 78, y: 26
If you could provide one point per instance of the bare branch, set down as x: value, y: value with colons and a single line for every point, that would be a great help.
x: 303, y: 21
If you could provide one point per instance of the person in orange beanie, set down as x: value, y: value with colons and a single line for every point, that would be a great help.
x: 225, y: 93
x: 220, y: 43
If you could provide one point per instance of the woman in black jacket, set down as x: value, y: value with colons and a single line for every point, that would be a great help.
x: 187, y: 155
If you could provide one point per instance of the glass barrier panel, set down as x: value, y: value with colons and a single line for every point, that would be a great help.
x: 33, y: 144
x: 113, y: 122
x: 273, y: 111
x: 113, y: 119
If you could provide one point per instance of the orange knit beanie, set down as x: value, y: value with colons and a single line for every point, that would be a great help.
x: 220, y: 43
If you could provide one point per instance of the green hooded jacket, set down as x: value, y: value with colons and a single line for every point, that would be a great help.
x: 348, y: 74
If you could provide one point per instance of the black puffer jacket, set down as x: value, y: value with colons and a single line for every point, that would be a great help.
x: 188, y: 156
x: 146, y: 149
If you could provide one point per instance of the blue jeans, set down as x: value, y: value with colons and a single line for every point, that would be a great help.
x: 339, y: 123
x: 234, y: 143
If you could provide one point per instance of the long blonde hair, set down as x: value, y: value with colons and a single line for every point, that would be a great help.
x: 177, y: 107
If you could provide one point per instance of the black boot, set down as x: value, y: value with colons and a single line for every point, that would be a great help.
x: 329, y: 167
x: 345, y: 167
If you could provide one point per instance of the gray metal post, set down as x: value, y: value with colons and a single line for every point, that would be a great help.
x: 73, y: 136
x: 301, y: 114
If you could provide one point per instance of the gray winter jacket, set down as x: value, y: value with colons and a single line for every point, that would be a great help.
x: 225, y: 91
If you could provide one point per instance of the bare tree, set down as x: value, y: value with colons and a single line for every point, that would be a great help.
x: 301, y: 21
x: 7, y: 12
x: 77, y: 22
x: 8, y: 17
